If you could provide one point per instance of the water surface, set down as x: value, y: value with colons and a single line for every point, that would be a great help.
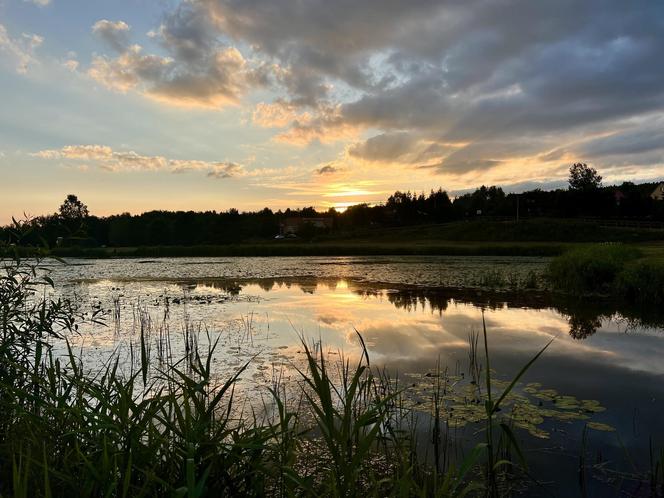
x: 414, y: 313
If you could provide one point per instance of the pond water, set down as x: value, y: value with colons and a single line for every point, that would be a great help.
x: 414, y: 313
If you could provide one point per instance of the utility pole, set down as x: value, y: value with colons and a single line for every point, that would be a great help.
x: 517, y: 208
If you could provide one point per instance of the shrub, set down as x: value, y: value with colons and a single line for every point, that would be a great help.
x: 590, y: 270
x: 642, y: 282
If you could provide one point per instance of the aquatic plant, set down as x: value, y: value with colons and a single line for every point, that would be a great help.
x: 617, y: 271
x: 590, y: 269
x: 642, y: 282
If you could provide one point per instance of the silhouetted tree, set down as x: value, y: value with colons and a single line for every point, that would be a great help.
x: 73, y: 225
x: 583, y: 177
x: 73, y: 209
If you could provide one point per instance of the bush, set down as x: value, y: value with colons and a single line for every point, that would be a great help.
x: 642, y: 282
x: 590, y: 270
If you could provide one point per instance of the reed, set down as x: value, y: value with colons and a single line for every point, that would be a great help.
x: 613, y: 270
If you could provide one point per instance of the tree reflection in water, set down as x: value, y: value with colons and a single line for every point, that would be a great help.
x: 581, y: 327
x: 585, y: 316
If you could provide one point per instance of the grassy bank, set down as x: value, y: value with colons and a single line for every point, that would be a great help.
x: 530, y: 230
x: 540, y: 237
x: 348, y: 248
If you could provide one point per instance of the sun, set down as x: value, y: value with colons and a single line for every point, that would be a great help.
x: 339, y: 207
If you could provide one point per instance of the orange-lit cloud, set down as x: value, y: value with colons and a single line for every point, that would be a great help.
x: 278, y: 114
x: 197, y: 72
x: 407, y: 95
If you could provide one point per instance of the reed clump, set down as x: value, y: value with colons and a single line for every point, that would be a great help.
x: 613, y: 270
x: 591, y: 269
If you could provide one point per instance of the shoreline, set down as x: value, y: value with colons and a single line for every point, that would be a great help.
x: 277, y: 249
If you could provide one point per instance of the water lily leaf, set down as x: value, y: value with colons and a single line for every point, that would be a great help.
x: 598, y: 426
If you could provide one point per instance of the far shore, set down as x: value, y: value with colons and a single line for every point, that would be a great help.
x: 284, y: 249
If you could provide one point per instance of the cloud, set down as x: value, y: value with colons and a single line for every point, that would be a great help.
x: 327, y: 170
x: 198, y: 70
x: 643, y: 137
x: 114, y: 33
x: 464, y: 165
x: 71, y: 64
x: 226, y: 170
x: 278, y: 114
x: 100, y: 152
x: 41, y: 3
x: 123, y: 161
x: 386, y: 147
x: 315, y: 50
x: 462, y: 73
x: 220, y: 83
x: 326, y: 127
x: 20, y: 50
x: 454, y: 87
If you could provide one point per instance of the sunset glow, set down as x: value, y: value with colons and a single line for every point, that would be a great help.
x: 218, y: 104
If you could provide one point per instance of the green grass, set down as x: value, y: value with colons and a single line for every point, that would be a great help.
x: 534, y: 230
x: 590, y: 269
x: 642, y: 282
x: 324, y: 248
x: 537, y: 237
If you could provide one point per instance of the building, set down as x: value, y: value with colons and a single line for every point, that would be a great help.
x: 293, y: 225
x: 658, y: 193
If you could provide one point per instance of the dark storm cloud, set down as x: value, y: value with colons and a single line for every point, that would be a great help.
x: 645, y: 137
x: 432, y: 76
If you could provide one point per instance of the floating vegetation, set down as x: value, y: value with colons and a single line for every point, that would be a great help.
x: 600, y: 427
x: 528, y: 408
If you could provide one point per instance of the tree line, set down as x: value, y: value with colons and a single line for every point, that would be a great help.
x: 73, y: 225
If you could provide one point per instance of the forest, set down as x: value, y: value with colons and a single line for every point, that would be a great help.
x: 585, y: 197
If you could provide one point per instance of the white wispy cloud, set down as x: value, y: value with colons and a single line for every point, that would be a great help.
x: 114, y: 33
x: 122, y: 161
x: 20, y: 49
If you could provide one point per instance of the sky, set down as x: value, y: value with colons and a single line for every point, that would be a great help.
x: 137, y: 105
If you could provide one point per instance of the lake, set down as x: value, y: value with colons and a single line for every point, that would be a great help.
x: 603, y: 371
